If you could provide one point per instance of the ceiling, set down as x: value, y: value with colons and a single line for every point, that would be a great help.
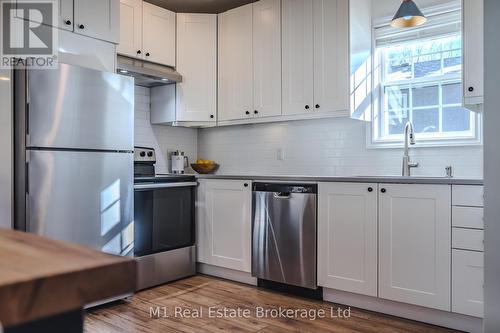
x: 199, y: 6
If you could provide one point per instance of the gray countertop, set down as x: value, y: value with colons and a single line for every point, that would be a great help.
x: 351, y: 179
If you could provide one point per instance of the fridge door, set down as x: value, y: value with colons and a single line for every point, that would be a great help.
x: 82, y: 197
x: 76, y: 107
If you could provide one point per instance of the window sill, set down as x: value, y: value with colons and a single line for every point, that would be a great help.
x: 423, y: 143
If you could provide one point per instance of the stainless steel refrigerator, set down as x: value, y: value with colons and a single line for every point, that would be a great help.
x: 74, y: 137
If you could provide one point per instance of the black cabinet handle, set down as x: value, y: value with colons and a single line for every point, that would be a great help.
x: 211, y: 116
x: 81, y: 26
x: 139, y: 52
x: 370, y: 189
x: 67, y: 22
x: 247, y: 112
x: 383, y: 190
x: 255, y: 112
x: 317, y: 106
x: 307, y: 107
x: 147, y: 54
x: 471, y: 89
x: 246, y: 184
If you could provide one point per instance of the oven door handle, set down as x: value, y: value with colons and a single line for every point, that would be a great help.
x: 153, y: 186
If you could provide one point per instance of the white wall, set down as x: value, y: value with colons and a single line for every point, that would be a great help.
x: 6, y: 149
x: 323, y: 147
x: 163, y: 139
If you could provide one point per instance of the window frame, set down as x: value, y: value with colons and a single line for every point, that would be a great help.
x: 434, y: 139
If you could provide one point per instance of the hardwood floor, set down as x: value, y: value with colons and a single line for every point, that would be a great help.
x: 202, y: 293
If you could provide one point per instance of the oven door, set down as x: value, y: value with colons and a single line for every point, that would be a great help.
x: 164, y: 217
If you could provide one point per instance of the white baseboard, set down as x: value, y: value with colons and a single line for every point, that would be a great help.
x: 435, y: 317
x: 226, y: 273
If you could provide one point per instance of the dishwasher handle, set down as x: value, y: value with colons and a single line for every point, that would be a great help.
x: 285, y: 188
x: 282, y: 195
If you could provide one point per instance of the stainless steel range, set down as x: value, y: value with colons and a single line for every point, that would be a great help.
x: 164, y: 222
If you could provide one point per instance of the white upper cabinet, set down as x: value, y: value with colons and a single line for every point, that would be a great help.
x: 331, y: 55
x: 66, y: 14
x: 347, y: 237
x: 298, y: 91
x: 130, y: 28
x: 98, y: 19
x: 415, y: 244
x: 235, y: 64
x: 197, y: 63
x: 224, y: 224
x: 158, y: 34
x: 315, y: 57
x: 147, y: 32
x: 267, y: 58
x: 473, y: 53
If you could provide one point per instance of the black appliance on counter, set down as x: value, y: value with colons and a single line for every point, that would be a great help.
x: 164, y: 222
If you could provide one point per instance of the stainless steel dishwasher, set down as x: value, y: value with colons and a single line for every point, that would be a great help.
x: 284, y: 233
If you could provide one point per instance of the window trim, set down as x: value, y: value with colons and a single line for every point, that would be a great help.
x: 423, y: 139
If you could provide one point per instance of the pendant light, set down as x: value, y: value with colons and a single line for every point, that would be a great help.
x: 408, y: 15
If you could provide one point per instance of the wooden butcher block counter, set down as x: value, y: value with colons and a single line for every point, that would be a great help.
x: 45, y: 281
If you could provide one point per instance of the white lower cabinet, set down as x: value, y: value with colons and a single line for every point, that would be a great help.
x: 415, y: 244
x: 224, y: 232
x: 467, y: 287
x: 347, y: 237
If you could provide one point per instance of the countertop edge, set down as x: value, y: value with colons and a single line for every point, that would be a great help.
x: 352, y: 179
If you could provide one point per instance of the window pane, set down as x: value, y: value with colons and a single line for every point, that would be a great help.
x: 456, y: 119
x: 398, y: 62
x: 452, y: 62
x: 426, y: 120
x: 397, y: 97
x: 452, y: 93
x: 427, y: 65
x: 425, y: 96
x: 398, y: 69
x: 397, y: 120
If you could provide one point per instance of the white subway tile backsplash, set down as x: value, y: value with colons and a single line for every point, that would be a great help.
x: 324, y: 147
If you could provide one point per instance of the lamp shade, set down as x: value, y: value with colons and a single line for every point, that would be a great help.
x: 408, y: 15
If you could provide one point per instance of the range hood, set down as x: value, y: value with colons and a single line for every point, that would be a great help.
x: 147, y: 74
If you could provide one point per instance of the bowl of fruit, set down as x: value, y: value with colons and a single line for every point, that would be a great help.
x: 204, y: 166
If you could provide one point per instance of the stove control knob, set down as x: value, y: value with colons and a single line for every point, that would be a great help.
x: 150, y: 154
x: 142, y: 153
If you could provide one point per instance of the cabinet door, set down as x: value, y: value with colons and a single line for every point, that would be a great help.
x: 224, y: 223
x: 66, y: 14
x: 347, y: 237
x: 65, y: 11
x: 98, y: 19
x: 297, y: 56
x: 473, y: 51
x: 331, y: 55
x: 235, y: 64
x: 267, y: 58
x: 415, y: 244
x: 130, y: 28
x: 196, y: 94
x: 158, y: 34
x: 468, y: 275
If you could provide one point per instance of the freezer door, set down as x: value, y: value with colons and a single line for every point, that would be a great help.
x: 76, y: 107
x: 82, y: 197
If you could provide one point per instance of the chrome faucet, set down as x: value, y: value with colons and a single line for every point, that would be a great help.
x: 409, y: 140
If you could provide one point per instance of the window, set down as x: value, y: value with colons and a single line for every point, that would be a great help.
x: 420, y: 81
